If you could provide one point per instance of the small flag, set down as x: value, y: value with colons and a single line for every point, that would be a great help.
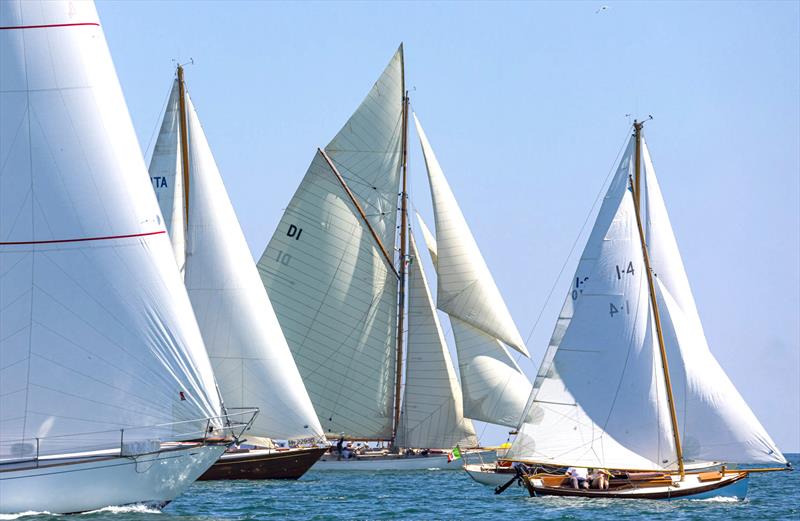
x: 454, y: 454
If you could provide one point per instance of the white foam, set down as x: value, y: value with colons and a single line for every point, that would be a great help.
x: 719, y: 499
x: 137, y: 509
x: 4, y: 517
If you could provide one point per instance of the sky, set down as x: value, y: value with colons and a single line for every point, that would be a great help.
x: 526, y: 106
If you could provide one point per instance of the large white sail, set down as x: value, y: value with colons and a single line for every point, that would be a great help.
x: 97, y: 330
x: 714, y: 420
x: 249, y: 354
x: 333, y: 288
x: 599, y: 399
x: 166, y: 175
x: 432, y: 414
x: 465, y: 287
x: 494, y: 388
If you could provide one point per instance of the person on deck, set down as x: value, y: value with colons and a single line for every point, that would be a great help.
x: 577, y: 477
x: 599, y: 479
x: 339, y: 445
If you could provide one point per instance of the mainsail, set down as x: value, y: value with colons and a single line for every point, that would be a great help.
x: 249, y: 354
x: 600, y: 397
x: 494, y: 388
x: 465, y: 287
x: 98, y: 334
x: 432, y: 411
x: 330, y: 273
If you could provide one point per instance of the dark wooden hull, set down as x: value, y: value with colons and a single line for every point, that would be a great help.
x: 261, y: 464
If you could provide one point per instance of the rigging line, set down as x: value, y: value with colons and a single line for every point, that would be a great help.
x: 577, y: 238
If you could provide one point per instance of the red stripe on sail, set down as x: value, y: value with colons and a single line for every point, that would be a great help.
x: 83, y: 239
x: 8, y: 27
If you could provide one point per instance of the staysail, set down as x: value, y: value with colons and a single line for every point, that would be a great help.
x: 494, y: 388
x: 330, y: 272
x: 432, y: 411
x: 715, y: 422
x: 465, y: 287
x: 249, y: 354
x: 98, y: 333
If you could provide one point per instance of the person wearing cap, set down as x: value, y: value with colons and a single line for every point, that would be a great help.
x: 599, y: 479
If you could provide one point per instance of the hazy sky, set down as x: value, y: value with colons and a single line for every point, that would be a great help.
x: 525, y: 105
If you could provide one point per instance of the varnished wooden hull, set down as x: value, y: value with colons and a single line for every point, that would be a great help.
x: 264, y: 464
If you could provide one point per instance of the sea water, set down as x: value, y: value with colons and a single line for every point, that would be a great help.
x: 439, y: 494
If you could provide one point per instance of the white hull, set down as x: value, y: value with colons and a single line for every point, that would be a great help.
x: 391, y: 462
x: 150, y: 479
x: 486, y: 474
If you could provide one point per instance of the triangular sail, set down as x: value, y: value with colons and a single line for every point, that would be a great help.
x: 332, y: 288
x: 432, y: 412
x: 98, y: 333
x: 599, y: 399
x: 251, y: 361
x: 430, y: 240
x: 494, y: 388
x: 714, y: 420
x: 465, y: 287
x: 166, y: 175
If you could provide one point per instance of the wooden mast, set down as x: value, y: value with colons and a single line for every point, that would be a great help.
x: 403, y: 253
x: 184, y: 143
x: 635, y: 187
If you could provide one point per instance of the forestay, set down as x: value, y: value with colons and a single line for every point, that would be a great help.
x: 432, y: 412
x: 97, y: 330
x: 465, y: 287
x: 599, y: 399
x: 250, y: 357
x: 715, y: 422
x: 334, y: 292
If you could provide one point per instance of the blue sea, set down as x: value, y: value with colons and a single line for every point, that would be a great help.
x: 435, y: 495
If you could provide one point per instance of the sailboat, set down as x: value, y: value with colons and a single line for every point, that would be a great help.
x: 628, y: 382
x: 340, y: 295
x: 248, y: 352
x: 107, y: 394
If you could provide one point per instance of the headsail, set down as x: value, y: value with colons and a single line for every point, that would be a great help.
x: 97, y: 330
x: 715, y: 421
x: 494, y: 388
x: 432, y: 412
x: 332, y: 288
x: 249, y: 354
x: 430, y: 240
x: 465, y: 287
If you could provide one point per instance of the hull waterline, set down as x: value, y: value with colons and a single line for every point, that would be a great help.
x: 70, y: 486
x: 395, y: 462
x: 264, y: 464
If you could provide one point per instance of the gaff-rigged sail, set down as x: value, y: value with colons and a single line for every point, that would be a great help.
x: 97, y: 330
x: 249, y: 354
x: 333, y: 288
x: 465, y: 287
x: 432, y: 411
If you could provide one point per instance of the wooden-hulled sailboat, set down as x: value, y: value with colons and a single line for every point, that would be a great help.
x: 339, y: 292
x: 628, y: 382
x: 107, y: 394
x: 251, y: 360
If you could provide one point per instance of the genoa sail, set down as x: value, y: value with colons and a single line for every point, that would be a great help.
x: 249, y: 354
x: 432, y: 412
x: 331, y: 285
x: 98, y: 331
x: 465, y: 287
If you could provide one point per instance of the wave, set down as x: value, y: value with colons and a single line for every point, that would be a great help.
x: 8, y: 517
x: 135, y: 509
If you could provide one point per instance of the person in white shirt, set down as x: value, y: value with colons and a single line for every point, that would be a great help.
x: 578, y: 477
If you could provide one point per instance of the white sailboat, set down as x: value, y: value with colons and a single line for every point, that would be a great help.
x: 248, y: 352
x: 628, y: 382
x: 106, y: 393
x: 339, y: 295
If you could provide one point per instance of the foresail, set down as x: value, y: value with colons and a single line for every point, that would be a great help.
x: 429, y: 239
x: 599, y: 399
x: 166, y: 176
x: 465, y: 287
x: 98, y: 333
x: 715, y: 422
x: 494, y: 388
x: 432, y: 412
x: 249, y: 354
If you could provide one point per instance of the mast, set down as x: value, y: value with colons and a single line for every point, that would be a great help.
x: 403, y: 253
x: 184, y: 143
x: 635, y: 187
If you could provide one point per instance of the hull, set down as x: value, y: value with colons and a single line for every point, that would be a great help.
x: 78, y: 485
x: 393, y: 462
x: 489, y: 474
x: 731, y: 485
x: 264, y: 464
